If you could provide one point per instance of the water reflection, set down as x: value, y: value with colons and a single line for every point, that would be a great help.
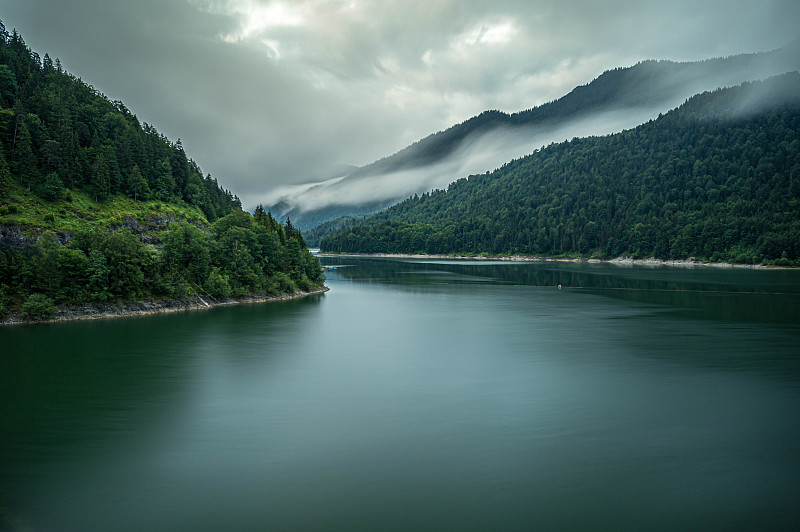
x: 78, y: 384
x: 771, y: 296
x: 418, y: 395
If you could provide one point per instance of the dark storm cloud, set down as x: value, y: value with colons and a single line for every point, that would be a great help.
x: 267, y: 93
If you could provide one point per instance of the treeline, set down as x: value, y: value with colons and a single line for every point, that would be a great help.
x: 240, y: 255
x: 59, y: 133
x: 337, y: 225
x: 717, y: 178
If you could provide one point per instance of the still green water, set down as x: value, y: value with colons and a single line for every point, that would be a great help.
x: 419, y: 394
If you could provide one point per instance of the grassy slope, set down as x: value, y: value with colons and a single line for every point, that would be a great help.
x: 19, y: 207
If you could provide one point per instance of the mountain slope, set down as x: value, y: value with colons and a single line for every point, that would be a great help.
x: 618, y: 99
x: 717, y: 178
x: 96, y: 207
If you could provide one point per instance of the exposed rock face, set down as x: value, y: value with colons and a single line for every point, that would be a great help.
x: 23, y: 235
x: 148, y: 231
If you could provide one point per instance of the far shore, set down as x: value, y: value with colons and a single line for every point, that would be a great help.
x: 691, y: 262
x: 99, y: 311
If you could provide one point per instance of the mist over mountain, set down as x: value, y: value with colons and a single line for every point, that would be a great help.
x: 718, y: 178
x: 618, y: 99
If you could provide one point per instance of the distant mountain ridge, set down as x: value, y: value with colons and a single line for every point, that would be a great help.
x: 718, y: 179
x: 618, y: 99
x: 642, y: 85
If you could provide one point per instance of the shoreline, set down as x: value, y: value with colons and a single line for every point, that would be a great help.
x: 149, y: 307
x: 619, y: 261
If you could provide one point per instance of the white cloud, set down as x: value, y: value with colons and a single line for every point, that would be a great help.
x: 497, y: 33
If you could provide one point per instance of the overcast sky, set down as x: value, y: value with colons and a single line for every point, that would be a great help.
x: 265, y: 93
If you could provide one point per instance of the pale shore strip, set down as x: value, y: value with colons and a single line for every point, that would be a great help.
x: 620, y: 261
x: 100, y: 311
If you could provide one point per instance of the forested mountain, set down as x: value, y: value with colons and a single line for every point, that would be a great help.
x: 617, y: 99
x: 59, y: 133
x: 96, y: 206
x: 717, y: 178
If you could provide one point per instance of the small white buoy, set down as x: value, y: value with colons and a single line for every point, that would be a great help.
x: 559, y: 287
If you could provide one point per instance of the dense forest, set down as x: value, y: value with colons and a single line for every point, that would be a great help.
x: 715, y: 179
x: 58, y: 133
x: 98, y: 207
x: 240, y: 255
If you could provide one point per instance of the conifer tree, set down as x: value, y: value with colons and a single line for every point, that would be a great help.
x: 25, y: 158
x: 8, y: 86
x: 260, y: 216
x: 165, y: 184
x: 5, y: 175
x: 101, y: 185
x: 136, y: 184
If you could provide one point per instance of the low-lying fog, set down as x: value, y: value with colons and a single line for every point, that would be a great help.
x: 486, y: 151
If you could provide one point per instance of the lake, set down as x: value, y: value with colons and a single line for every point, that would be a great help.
x: 419, y: 394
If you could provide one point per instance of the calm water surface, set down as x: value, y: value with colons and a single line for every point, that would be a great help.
x: 419, y: 394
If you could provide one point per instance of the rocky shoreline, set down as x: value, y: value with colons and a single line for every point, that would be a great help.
x: 98, y: 311
x: 621, y: 261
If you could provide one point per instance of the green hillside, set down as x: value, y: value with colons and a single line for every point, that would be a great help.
x: 715, y: 179
x: 97, y: 207
x: 58, y: 135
